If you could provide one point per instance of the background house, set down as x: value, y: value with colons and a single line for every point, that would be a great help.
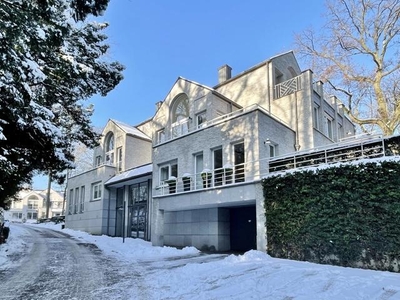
x: 31, y: 206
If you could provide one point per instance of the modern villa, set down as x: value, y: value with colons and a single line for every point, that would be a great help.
x: 191, y: 174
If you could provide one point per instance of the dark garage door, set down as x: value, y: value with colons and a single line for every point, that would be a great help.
x: 243, y: 228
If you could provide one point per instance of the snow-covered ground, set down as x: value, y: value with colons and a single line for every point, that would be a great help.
x: 254, y: 275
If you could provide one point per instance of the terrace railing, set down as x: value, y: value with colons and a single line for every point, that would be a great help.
x: 367, y: 147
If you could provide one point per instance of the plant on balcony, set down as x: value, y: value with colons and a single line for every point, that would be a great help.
x: 171, y: 181
x: 186, y: 178
x: 206, y: 175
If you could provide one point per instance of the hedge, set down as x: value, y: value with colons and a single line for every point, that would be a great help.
x: 347, y: 215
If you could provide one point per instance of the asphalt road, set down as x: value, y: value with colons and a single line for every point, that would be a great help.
x: 54, y: 265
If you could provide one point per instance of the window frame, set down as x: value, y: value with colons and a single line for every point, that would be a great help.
x: 96, y: 189
x: 201, y: 119
x: 82, y: 200
x: 172, y: 170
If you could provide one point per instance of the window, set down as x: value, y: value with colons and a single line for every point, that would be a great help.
x: 340, y: 133
x: 217, y: 166
x: 17, y: 215
x: 138, y: 193
x: 161, y: 136
x: 70, y: 201
x: 82, y: 200
x: 119, y: 158
x: 198, y: 167
x: 33, y: 202
x: 239, y: 162
x: 98, y: 161
x: 109, y: 148
x: 96, y: 191
x: 328, y: 126
x: 201, y: 119
x: 166, y: 171
x: 76, y: 202
x: 272, y: 150
x: 180, y: 116
x: 31, y: 215
x: 316, y: 117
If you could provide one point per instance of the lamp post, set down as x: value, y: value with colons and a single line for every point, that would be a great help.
x: 48, y: 196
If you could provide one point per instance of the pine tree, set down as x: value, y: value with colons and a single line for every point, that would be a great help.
x: 52, y: 60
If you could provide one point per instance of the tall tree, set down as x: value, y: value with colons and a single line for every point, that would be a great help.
x: 52, y: 60
x: 357, y: 54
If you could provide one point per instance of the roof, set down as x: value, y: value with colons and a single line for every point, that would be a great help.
x: 131, y: 130
x: 130, y: 174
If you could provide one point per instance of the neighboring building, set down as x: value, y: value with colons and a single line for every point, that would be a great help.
x: 119, y: 164
x: 210, y: 148
x: 31, y: 206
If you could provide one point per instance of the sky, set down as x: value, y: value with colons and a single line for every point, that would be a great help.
x: 253, y: 275
x: 158, y: 41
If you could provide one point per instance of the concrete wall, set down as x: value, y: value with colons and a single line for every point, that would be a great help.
x: 94, y: 218
x: 205, y: 229
x: 201, y: 218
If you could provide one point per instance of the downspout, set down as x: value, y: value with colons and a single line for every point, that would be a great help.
x: 297, y: 145
x: 108, y: 214
x: 269, y: 88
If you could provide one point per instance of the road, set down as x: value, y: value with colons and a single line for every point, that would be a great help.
x: 55, y: 266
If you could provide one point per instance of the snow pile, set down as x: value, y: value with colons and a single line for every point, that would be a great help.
x: 169, y: 273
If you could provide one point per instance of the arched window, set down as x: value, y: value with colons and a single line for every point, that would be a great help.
x: 109, y: 148
x: 33, y: 202
x: 180, y: 115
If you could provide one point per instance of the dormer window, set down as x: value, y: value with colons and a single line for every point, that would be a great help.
x: 180, y: 116
x: 109, y: 149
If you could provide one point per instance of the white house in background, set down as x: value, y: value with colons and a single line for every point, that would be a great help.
x: 195, y: 168
x: 31, y: 206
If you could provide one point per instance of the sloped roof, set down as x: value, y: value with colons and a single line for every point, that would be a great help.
x: 131, y: 130
x: 130, y: 174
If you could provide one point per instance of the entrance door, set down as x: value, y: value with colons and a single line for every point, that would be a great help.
x: 243, y: 228
x: 138, y: 221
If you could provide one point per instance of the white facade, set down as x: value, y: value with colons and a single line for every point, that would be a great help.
x: 92, y: 207
x: 208, y: 148
x: 31, y: 206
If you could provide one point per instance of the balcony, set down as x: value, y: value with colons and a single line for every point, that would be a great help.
x: 287, y: 87
x: 364, y: 147
x: 187, y: 127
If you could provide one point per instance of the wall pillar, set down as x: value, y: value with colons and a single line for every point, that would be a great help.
x: 261, y: 219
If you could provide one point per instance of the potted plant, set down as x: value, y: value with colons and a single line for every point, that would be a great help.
x: 171, y: 181
x: 206, y: 176
x: 186, y: 178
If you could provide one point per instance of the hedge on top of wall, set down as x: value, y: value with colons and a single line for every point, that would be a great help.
x: 347, y: 215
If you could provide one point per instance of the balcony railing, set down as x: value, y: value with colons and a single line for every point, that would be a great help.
x: 288, y: 87
x: 191, y: 127
x: 363, y: 148
x: 207, y: 179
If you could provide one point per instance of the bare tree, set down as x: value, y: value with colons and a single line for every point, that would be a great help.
x: 357, y: 54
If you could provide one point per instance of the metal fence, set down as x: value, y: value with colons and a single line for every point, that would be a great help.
x: 367, y: 147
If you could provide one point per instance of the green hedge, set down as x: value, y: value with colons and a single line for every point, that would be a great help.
x: 347, y: 215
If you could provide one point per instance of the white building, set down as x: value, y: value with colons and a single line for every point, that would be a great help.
x: 31, y: 206
x: 209, y: 149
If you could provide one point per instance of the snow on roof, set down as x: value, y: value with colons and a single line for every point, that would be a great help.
x: 131, y: 130
x: 135, y: 172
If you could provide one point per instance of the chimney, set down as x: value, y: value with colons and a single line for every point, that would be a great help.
x: 224, y: 73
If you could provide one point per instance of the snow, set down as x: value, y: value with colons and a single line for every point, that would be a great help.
x: 253, y: 275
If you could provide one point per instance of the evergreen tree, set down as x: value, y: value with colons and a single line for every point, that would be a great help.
x: 52, y: 60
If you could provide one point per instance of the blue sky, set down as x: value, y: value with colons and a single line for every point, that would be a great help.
x: 158, y: 41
